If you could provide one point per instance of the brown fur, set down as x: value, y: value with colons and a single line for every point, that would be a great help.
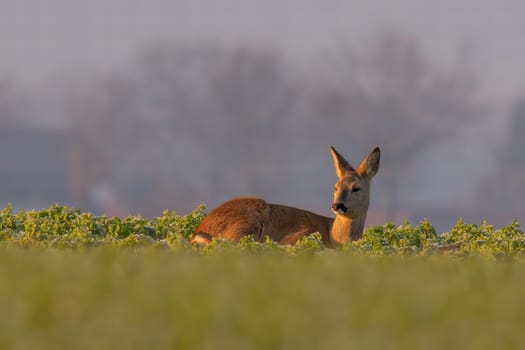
x: 240, y: 217
x: 253, y: 216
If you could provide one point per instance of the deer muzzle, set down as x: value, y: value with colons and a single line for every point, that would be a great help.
x: 339, y: 208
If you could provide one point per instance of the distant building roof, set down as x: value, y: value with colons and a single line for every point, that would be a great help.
x: 33, y: 166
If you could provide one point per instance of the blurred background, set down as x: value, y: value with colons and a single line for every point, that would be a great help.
x: 134, y: 106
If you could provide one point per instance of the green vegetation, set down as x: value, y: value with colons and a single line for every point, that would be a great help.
x: 74, y: 280
x: 64, y: 227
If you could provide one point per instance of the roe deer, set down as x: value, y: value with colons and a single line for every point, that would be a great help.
x: 240, y: 217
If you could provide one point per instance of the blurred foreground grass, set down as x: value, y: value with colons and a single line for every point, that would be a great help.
x: 109, y: 298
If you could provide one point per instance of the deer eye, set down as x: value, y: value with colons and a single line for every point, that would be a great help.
x: 355, y: 189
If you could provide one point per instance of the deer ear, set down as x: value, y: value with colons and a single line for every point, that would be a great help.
x: 340, y: 164
x: 370, y: 165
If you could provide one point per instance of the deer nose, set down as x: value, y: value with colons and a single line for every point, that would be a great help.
x: 339, y: 207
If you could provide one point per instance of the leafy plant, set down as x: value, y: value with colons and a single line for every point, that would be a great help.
x: 64, y: 227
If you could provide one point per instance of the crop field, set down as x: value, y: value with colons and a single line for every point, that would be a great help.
x: 72, y: 280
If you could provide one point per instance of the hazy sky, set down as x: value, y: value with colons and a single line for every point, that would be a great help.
x: 40, y: 40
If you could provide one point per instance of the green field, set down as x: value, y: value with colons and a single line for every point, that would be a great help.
x: 110, y: 298
x: 70, y: 280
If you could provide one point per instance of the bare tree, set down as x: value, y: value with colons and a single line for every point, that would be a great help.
x: 504, y: 187
x: 212, y: 122
x: 394, y: 96
x: 252, y: 96
x: 235, y: 102
x: 188, y: 116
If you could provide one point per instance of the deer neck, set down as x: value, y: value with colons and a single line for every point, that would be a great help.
x: 345, y: 229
